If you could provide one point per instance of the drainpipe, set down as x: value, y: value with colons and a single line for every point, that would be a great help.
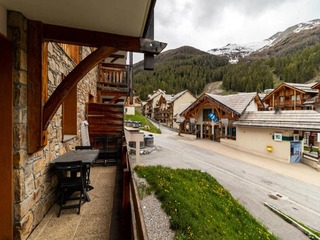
x: 131, y: 77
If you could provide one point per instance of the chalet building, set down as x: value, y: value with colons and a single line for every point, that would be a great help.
x: 225, y: 109
x: 132, y: 104
x: 58, y: 68
x: 315, y: 101
x: 168, y: 106
x: 293, y: 96
x: 276, y: 134
x: 151, y: 103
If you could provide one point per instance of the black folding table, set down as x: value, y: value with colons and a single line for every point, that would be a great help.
x: 86, y: 156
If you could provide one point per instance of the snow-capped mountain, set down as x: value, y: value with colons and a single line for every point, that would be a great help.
x: 236, y: 51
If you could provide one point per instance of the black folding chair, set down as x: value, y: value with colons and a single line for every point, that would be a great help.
x: 71, y: 180
x: 86, y: 168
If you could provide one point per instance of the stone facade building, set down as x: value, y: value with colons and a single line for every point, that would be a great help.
x: 34, y: 181
x: 48, y: 82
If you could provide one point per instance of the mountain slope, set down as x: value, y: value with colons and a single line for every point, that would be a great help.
x: 289, y: 41
x: 177, y: 70
x: 293, y: 56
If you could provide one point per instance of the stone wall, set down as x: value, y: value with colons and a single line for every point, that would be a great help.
x: 34, y: 180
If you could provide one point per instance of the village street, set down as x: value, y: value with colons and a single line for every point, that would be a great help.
x: 294, y: 189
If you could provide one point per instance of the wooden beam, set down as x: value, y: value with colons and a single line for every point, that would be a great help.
x: 37, y: 85
x: 149, y: 57
x: 116, y: 57
x: 6, y: 140
x: 96, y: 39
x: 72, y: 80
x: 113, y: 65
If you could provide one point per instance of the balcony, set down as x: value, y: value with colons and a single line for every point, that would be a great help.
x: 114, y: 81
x: 288, y: 103
x: 114, y: 77
x: 114, y: 211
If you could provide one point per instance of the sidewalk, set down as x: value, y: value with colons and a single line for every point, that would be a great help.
x: 295, y: 170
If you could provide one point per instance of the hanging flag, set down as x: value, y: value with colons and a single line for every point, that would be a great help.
x: 213, y: 117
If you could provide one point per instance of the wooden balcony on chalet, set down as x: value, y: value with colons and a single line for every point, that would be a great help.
x: 288, y: 103
x: 114, y: 82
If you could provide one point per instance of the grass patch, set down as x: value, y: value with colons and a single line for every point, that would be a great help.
x: 199, y: 207
x: 138, y: 117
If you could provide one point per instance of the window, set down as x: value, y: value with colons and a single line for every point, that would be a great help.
x: 297, y: 97
x: 206, y: 112
x: 277, y: 137
x: 282, y: 99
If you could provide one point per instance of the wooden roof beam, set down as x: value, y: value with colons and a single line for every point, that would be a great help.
x: 72, y: 80
x: 96, y: 39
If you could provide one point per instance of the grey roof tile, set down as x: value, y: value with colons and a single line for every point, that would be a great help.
x: 299, y: 120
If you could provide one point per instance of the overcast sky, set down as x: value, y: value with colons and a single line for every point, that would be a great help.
x: 207, y: 24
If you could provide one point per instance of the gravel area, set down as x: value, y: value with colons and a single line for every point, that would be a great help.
x: 156, y: 220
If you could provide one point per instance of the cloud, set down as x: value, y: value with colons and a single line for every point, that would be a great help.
x: 207, y: 24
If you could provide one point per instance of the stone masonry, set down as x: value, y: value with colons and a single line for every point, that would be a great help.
x: 34, y: 181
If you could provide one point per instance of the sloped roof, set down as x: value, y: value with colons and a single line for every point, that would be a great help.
x: 236, y: 102
x: 156, y: 93
x: 182, y: 107
x: 303, y: 87
x: 307, y: 87
x: 298, y: 120
x: 311, y: 101
x: 172, y: 97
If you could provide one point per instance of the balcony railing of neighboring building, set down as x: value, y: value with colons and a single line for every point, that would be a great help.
x: 113, y: 76
x: 288, y: 103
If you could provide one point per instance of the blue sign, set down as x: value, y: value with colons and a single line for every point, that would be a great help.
x: 213, y: 117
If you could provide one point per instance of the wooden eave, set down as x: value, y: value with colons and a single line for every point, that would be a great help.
x: 40, y: 108
x: 316, y: 86
x: 53, y: 33
x: 205, y: 100
x: 279, y: 88
x: 258, y: 100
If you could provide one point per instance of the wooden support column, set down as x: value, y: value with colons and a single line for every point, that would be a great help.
x: 37, y: 89
x: 6, y: 140
x: 72, y: 80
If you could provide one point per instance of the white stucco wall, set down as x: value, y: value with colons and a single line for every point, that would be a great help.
x: 185, y: 98
x: 3, y: 21
x: 256, y: 140
x: 129, y: 110
x: 253, y: 106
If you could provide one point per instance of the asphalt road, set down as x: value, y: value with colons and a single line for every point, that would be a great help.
x: 250, y: 184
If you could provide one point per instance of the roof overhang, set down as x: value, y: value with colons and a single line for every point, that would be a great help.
x: 124, y: 25
x: 121, y: 17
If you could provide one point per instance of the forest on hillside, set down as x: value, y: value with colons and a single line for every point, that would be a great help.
x: 193, y: 70
x: 179, y: 72
x: 258, y: 75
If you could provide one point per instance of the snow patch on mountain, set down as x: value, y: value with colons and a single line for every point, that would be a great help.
x: 236, y: 51
x: 307, y: 25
